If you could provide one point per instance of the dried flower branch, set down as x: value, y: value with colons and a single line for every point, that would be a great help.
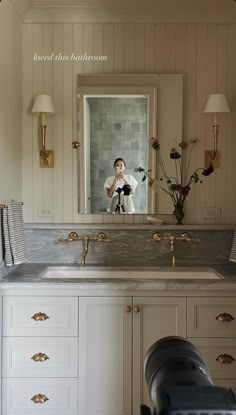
x: 177, y: 187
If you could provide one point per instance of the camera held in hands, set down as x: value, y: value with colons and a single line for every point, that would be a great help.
x: 180, y: 384
x: 126, y: 189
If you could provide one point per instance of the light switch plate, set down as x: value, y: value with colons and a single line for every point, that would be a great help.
x: 45, y: 213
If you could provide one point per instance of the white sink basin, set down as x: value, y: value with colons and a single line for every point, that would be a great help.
x: 130, y: 273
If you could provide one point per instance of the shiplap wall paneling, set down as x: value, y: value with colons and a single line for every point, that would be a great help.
x: 119, y: 47
x: 27, y: 138
x: 201, y: 68
x: 189, y: 110
x: 78, y: 68
x: 139, y: 47
x: 160, y: 48
x: 68, y: 97
x: 211, y: 83
x: 108, y: 47
x: 58, y: 122
x: 129, y: 48
x: 88, y: 47
x: 221, y: 173
x: 204, y: 53
x: 98, y: 47
x: 48, y: 174
x: 230, y: 194
x: 150, y: 48
x: 38, y: 190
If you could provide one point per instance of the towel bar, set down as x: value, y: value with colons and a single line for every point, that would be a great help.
x: 4, y: 205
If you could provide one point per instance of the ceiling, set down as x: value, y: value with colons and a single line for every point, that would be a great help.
x: 126, y: 10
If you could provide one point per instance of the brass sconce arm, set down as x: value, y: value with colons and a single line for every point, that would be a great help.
x: 74, y: 236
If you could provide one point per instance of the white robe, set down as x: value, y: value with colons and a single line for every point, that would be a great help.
x: 125, y: 201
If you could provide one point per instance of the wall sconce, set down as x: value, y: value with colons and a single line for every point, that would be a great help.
x: 216, y: 103
x: 43, y: 105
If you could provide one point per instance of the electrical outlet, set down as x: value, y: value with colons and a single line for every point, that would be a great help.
x: 45, y: 213
x: 212, y: 213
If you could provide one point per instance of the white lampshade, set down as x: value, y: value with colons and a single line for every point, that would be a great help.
x: 43, y: 103
x: 216, y: 103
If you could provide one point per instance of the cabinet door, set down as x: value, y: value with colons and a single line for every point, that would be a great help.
x: 105, y: 359
x: 153, y: 318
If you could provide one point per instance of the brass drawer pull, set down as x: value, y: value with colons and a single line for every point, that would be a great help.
x: 224, y: 317
x: 39, y: 398
x: 127, y: 308
x: 40, y: 316
x: 225, y: 358
x: 137, y: 309
x: 40, y: 357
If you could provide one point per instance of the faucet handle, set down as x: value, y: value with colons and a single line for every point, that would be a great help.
x: 155, y: 237
x: 72, y: 236
x: 102, y: 237
x: 187, y: 237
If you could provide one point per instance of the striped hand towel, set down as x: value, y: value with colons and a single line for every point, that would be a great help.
x: 13, y: 234
x: 233, y: 249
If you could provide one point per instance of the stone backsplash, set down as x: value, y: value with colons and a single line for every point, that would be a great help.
x: 129, y: 247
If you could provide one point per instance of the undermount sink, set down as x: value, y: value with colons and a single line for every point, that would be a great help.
x: 130, y: 273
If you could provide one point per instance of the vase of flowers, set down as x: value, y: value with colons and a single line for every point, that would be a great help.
x: 177, y: 187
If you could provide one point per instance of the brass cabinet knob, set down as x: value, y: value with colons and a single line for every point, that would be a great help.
x: 40, y: 316
x: 40, y: 357
x: 39, y: 398
x: 127, y: 308
x: 224, y: 317
x: 225, y: 358
x: 137, y: 309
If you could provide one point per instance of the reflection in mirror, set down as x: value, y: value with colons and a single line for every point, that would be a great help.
x: 115, y: 127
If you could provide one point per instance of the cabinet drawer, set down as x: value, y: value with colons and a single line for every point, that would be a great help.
x: 40, y: 316
x: 219, y: 356
x: 59, y: 394
x: 40, y: 357
x: 211, y: 317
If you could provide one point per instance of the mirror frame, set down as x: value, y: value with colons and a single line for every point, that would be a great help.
x: 165, y: 96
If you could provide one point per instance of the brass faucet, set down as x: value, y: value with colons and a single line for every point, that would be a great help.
x: 74, y: 236
x: 185, y: 236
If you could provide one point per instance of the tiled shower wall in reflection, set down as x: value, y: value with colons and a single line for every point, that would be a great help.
x: 118, y: 128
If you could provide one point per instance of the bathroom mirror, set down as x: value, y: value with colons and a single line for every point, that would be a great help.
x: 117, y: 115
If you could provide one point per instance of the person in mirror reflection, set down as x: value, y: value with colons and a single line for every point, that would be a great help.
x: 125, y: 184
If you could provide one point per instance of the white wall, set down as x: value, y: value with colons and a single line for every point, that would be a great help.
x: 10, y: 104
x: 204, y: 53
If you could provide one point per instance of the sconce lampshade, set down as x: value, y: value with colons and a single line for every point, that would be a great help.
x: 43, y: 103
x: 216, y: 103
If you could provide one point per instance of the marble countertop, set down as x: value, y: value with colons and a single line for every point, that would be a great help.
x: 27, y: 275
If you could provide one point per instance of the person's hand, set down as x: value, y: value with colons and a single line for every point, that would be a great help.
x: 119, y: 175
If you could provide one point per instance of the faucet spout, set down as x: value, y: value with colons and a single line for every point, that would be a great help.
x: 85, y: 250
x: 73, y: 236
x: 172, y: 248
x: 185, y: 236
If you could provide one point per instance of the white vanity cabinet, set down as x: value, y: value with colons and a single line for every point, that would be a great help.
x: 114, y: 335
x: 40, y: 355
x: 82, y: 353
x: 211, y: 326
